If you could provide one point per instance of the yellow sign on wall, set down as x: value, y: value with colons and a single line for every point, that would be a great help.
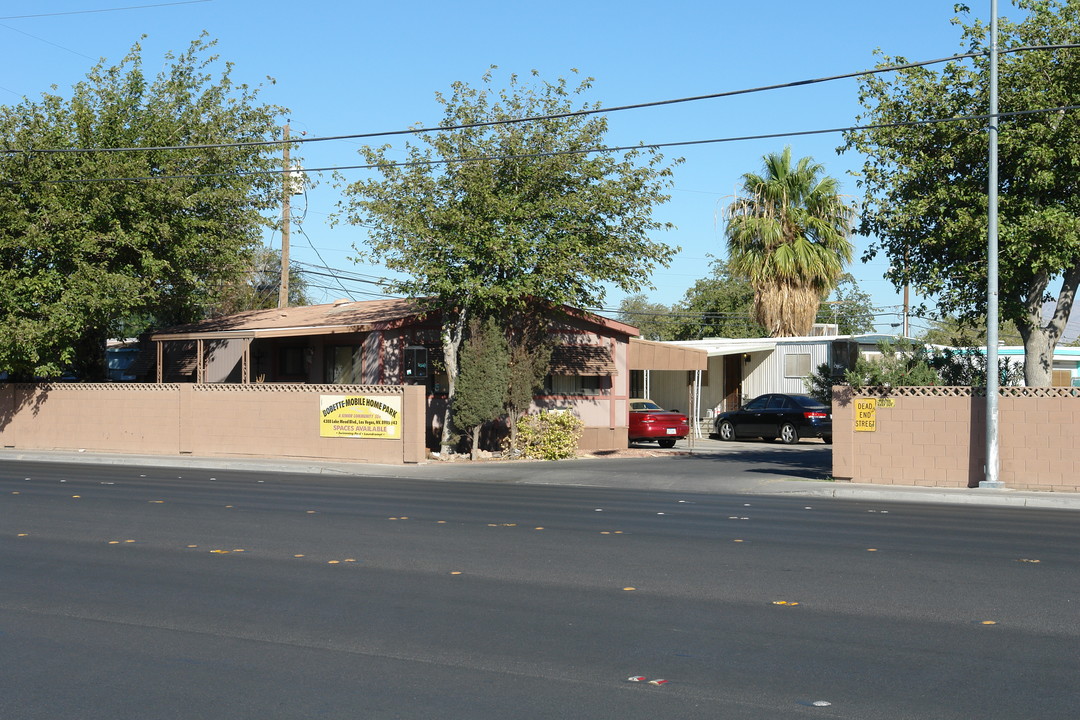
x: 886, y: 402
x: 865, y: 415
x: 360, y: 416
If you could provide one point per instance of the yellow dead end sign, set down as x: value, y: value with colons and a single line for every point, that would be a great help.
x: 865, y: 415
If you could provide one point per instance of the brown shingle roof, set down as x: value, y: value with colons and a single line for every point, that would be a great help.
x: 315, y: 319
x: 340, y: 316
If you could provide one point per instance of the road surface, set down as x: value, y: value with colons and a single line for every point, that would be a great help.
x: 135, y: 592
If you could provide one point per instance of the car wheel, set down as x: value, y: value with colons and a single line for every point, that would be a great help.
x: 666, y: 442
x: 726, y: 430
x: 827, y: 439
x: 788, y: 434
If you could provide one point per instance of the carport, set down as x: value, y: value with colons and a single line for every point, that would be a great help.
x: 646, y: 356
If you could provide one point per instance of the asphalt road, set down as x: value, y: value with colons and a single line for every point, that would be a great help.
x: 134, y: 592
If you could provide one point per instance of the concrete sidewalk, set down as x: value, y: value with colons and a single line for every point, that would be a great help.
x: 587, y: 473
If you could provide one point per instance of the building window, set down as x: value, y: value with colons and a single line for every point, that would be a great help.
x: 797, y: 365
x: 416, y: 363
x: 343, y: 365
x: 293, y: 362
x: 575, y: 384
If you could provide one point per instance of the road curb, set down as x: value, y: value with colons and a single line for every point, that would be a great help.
x: 945, y: 496
x: 549, y: 474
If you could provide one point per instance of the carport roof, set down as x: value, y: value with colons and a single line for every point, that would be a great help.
x: 730, y: 346
x: 649, y: 355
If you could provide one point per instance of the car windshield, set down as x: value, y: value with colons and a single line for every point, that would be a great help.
x: 645, y: 405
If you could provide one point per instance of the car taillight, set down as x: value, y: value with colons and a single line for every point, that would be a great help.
x: 815, y: 415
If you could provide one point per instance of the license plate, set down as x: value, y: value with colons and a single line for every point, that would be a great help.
x: 670, y: 431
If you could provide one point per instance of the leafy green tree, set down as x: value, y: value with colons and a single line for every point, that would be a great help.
x: 926, y: 183
x: 654, y: 320
x: 719, y: 305
x: 484, y: 375
x: 788, y: 233
x: 82, y: 250
x: 852, y: 310
x: 491, y: 216
x: 959, y: 333
x: 529, y: 347
x: 257, y: 288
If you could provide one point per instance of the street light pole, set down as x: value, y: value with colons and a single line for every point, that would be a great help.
x: 991, y: 470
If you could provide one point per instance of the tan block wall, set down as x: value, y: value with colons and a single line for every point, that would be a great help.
x: 212, y: 420
x: 937, y: 437
x: 111, y: 418
x: 597, y: 438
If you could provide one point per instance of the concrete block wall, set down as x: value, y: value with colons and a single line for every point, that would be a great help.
x: 258, y: 420
x: 936, y: 437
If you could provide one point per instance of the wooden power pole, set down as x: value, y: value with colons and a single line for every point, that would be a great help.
x: 286, y: 220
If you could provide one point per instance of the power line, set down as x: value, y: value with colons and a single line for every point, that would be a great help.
x: 690, y: 315
x: 103, y: 10
x: 556, y: 153
x: 554, y: 116
x: 312, y: 246
x: 47, y: 42
x: 346, y: 274
x: 377, y: 296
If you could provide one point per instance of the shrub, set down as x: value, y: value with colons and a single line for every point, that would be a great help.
x: 907, y: 365
x: 483, y: 376
x: 549, y: 435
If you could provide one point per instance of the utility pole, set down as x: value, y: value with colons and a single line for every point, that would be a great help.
x: 992, y: 381
x: 286, y: 220
x: 907, y: 310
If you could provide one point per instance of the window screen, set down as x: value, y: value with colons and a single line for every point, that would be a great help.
x: 343, y: 364
x: 797, y: 365
x: 574, y: 385
x: 416, y: 363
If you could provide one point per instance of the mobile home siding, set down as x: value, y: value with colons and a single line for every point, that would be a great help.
x: 765, y: 373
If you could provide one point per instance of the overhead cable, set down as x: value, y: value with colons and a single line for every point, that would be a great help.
x: 103, y: 10
x: 554, y: 116
x: 584, y: 151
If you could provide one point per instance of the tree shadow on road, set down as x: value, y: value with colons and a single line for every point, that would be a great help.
x: 811, y: 463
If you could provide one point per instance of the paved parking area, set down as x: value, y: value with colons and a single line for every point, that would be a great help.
x: 713, y: 445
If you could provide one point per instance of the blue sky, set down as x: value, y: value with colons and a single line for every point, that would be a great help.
x: 351, y: 67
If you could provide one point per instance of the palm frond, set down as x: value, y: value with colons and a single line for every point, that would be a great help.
x: 789, y: 232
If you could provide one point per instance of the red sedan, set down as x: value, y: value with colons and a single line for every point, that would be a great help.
x: 649, y: 421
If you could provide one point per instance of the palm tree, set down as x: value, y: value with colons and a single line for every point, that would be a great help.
x: 788, y: 233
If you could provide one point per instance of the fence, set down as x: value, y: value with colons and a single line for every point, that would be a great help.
x: 263, y: 420
x: 936, y: 436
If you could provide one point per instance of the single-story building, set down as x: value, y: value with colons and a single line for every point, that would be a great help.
x: 398, y: 342
x: 739, y: 369
x: 1066, y: 364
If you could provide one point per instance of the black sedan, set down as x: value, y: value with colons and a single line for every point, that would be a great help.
x: 775, y: 415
